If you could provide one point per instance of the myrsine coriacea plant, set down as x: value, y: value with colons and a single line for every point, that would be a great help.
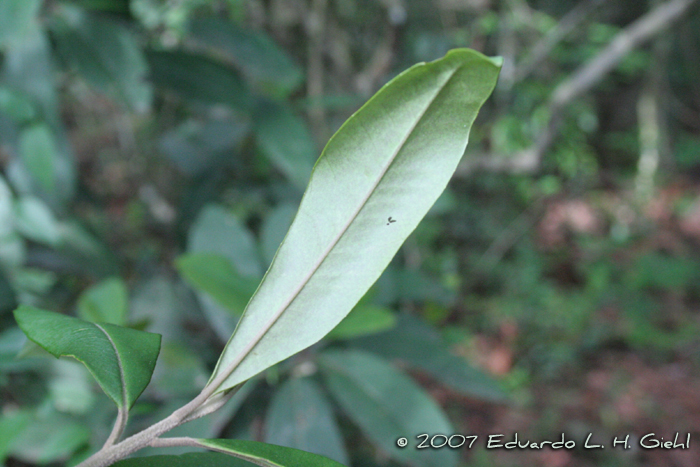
x: 373, y: 183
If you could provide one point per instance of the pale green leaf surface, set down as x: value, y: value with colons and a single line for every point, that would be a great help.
x: 392, y: 158
x: 105, y: 302
x: 301, y: 417
x: 214, y: 275
x: 121, y: 359
x: 285, y: 139
x: 417, y: 344
x: 386, y: 405
x: 217, y: 230
x: 363, y: 320
x: 268, y: 455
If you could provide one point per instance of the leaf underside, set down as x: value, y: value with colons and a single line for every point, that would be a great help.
x: 391, y: 159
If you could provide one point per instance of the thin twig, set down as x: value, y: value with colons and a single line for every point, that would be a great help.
x: 582, y: 80
x: 543, y: 48
x: 119, y: 425
x: 175, y: 442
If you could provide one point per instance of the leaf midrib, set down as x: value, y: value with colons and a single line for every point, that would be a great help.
x: 256, y: 340
x: 120, y: 365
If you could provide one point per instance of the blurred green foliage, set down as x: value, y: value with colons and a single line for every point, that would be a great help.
x: 153, y: 153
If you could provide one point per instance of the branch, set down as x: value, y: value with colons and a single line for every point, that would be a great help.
x: 583, y: 80
x: 544, y: 46
x: 627, y: 40
x: 175, y: 442
x: 119, y: 425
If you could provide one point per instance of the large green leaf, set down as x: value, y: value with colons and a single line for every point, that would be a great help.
x: 107, y: 56
x: 417, y: 344
x: 254, y: 52
x: 376, y: 179
x: 268, y: 455
x: 198, y: 78
x: 285, y: 139
x: 300, y: 417
x: 387, y: 405
x: 213, y: 274
x: 121, y: 359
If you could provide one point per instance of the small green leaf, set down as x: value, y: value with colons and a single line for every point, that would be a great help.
x: 37, y: 149
x: 214, y: 275
x: 374, y: 182
x: 363, y: 320
x: 254, y: 52
x: 386, y: 404
x: 217, y: 230
x: 106, y: 55
x: 105, y: 302
x: 121, y: 359
x: 198, y: 78
x: 419, y: 345
x: 301, y: 417
x: 268, y: 455
x: 285, y: 139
